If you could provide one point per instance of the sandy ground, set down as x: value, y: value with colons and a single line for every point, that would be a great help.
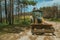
x: 27, y: 35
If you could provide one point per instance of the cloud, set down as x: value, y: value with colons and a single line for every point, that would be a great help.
x: 44, y: 0
x: 47, y: 3
x: 48, y: 0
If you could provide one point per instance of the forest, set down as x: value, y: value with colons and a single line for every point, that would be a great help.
x: 14, y: 12
x: 15, y: 21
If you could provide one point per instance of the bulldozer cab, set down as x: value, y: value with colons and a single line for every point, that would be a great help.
x: 37, y: 16
x: 37, y: 13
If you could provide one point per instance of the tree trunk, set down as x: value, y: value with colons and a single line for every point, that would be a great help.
x: 21, y: 12
x: 24, y: 12
x: 0, y: 12
x: 18, y: 11
x: 6, y: 10
x: 10, y: 13
x: 12, y: 10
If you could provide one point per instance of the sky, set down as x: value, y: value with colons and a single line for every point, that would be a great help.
x: 44, y: 3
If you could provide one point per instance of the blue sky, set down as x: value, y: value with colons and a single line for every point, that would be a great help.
x: 44, y: 3
x: 47, y: 3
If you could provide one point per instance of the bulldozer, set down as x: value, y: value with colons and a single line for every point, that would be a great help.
x: 38, y: 24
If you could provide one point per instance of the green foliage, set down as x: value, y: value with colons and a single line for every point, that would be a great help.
x: 2, y: 25
x: 54, y: 19
x: 26, y: 22
x: 21, y: 22
x: 32, y: 3
x: 28, y: 2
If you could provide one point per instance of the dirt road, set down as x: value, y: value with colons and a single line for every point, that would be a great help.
x: 27, y: 35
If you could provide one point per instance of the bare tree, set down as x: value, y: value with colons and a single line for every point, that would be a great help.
x: 18, y: 11
x: 6, y: 11
x: 10, y: 15
x: 0, y: 12
x: 12, y: 10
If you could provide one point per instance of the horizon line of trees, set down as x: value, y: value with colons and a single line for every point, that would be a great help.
x: 51, y: 12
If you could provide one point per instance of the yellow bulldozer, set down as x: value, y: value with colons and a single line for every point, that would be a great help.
x: 38, y: 24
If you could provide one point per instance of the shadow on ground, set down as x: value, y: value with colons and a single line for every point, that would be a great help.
x: 12, y: 29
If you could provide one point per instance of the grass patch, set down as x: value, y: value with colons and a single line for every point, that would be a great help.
x: 16, y: 27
